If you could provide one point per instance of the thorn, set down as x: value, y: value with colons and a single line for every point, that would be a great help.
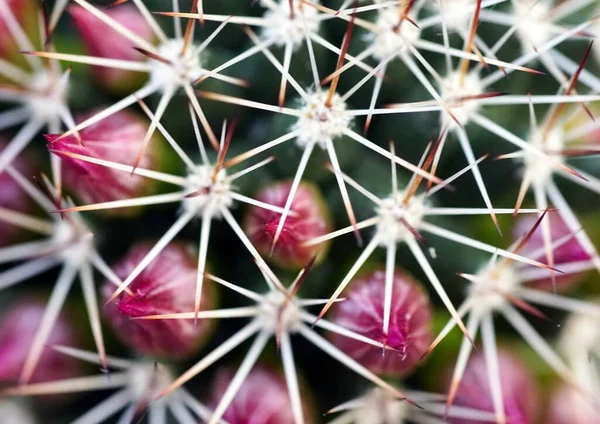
x: 521, y: 304
x: 579, y: 152
x: 189, y: 29
x: 367, y: 124
x: 429, y: 349
x: 140, y: 412
x: 284, y: 81
x: 496, y: 223
x: 530, y: 233
x: 454, y: 118
x: 561, y: 107
x: 199, y: 192
x: 410, y: 191
x: 572, y: 172
x: 413, y: 403
x: 45, y: 18
x: 105, y: 371
x: 356, y: 231
x: 524, y: 241
x: 341, y: 58
x: 414, y: 232
x: 116, y: 3
x: 521, y: 196
x: 451, y: 396
x: 273, y: 244
x: 435, y: 163
x: 587, y: 110
x: 502, y: 157
x: 321, y: 315
x: 42, y: 186
x: 301, y: 278
x: 483, y: 96
x: 153, y: 56
x: 223, y: 149
x: 404, y: 10
x: 349, y: 211
x: 464, y: 66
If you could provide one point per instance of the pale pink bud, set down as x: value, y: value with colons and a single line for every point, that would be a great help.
x: 167, y: 285
x: 102, y: 41
x: 410, y: 323
x: 310, y: 219
x: 571, y: 251
x: 262, y: 399
x: 519, y: 392
x: 12, y: 197
x: 570, y: 406
x: 117, y: 138
x: 18, y: 326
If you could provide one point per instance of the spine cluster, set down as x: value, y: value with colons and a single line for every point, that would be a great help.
x: 299, y: 211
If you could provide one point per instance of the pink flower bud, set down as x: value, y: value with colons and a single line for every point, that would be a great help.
x: 263, y: 398
x: 117, y: 138
x: 569, y: 406
x: 167, y: 285
x: 102, y: 41
x: 18, y: 326
x: 12, y: 197
x: 311, y: 219
x: 410, y: 323
x: 570, y: 251
x: 519, y: 392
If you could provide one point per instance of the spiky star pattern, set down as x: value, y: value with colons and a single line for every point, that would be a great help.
x: 396, y: 31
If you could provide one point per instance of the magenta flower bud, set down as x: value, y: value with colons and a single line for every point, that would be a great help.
x: 18, y: 326
x: 519, y: 392
x: 263, y: 398
x: 571, y: 251
x: 167, y: 285
x: 569, y: 406
x: 410, y: 323
x: 102, y: 41
x: 117, y: 138
x: 310, y: 219
x: 12, y: 197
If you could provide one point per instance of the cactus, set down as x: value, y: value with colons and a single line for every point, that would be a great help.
x: 248, y: 193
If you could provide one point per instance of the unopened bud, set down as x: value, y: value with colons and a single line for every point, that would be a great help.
x: 18, y: 327
x: 570, y: 251
x: 519, y: 392
x: 568, y: 405
x: 102, y: 41
x: 310, y: 218
x: 263, y: 398
x: 117, y: 138
x: 409, y: 327
x: 167, y: 285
